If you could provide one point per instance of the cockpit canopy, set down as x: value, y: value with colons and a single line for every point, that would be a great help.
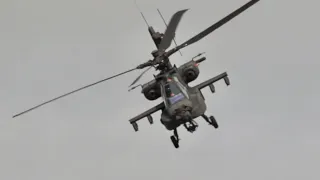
x: 174, y: 91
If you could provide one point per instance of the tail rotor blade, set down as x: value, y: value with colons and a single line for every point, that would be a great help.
x: 142, y: 15
x: 59, y: 97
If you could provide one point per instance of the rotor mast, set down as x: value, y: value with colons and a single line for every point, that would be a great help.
x: 157, y: 39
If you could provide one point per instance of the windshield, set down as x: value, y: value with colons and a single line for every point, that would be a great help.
x: 183, y: 88
x: 173, y: 93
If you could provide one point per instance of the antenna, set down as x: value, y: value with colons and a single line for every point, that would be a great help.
x: 145, y: 20
x: 164, y: 21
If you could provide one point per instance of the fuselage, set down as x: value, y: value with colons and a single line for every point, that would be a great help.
x: 182, y: 103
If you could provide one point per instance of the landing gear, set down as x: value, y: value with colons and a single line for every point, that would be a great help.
x: 214, y: 122
x: 191, y: 126
x: 211, y: 120
x: 175, y: 138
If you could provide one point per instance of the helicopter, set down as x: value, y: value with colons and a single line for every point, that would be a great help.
x: 181, y: 104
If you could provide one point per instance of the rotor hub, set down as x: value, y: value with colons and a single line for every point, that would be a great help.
x: 155, y: 53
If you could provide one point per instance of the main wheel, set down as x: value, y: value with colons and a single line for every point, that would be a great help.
x: 175, y: 141
x: 214, y: 122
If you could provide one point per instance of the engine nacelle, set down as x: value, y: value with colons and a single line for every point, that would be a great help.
x: 189, y: 71
x: 151, y: 90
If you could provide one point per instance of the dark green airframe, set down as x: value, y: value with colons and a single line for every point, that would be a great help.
x: 181, y: 104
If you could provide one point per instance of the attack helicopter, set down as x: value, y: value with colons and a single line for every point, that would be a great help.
x: 181, y: 104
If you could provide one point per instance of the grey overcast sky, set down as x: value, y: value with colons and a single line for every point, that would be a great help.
x: 269, y: 116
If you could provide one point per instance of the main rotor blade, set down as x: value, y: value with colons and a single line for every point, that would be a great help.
x: 139, y: 77
x: 171, y: 29
x: 72, y: 92
x: 213, y: 27
x: 165, y: 23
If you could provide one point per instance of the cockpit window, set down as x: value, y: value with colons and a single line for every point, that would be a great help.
x: 171, y: 89
x: 183, y: 89
x: 173, y: 93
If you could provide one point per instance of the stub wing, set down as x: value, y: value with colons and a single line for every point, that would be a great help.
x: 210, y: 82
x: 147, y: 114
